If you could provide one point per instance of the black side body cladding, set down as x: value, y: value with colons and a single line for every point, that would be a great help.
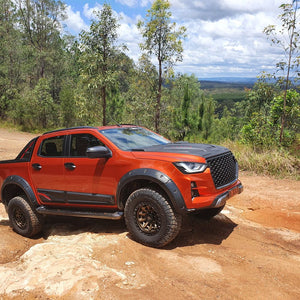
x: 152, y: 175
x: 20, y: 183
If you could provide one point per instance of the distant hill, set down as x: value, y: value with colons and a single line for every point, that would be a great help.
x: 249, y: 80
x: 227, y: 83
x: 226, y: 91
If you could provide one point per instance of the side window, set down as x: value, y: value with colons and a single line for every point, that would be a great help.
x: 26, y: 153
x: 80, y: 143
x: 53, y: 146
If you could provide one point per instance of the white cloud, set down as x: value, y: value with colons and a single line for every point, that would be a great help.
x: 134, y: 3
x: 129, y: 35
x: 219, y: 9
x: 225, y: 37
x: 129, y: 3
x: 89, y: 12
x: 74, y: 22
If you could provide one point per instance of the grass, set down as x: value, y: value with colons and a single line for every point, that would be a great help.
x: 271, y: 162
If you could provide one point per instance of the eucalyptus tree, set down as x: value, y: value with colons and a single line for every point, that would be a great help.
x: 287, y: 38
x: 164, y: 41
x: 140, y: 97
x: 40, y: 23
x: 10, y: 54
x: 99, y: 66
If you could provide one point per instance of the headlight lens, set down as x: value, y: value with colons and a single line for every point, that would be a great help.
x: 187, y: 167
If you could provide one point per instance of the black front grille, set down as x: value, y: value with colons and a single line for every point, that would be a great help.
x: 223, y: 168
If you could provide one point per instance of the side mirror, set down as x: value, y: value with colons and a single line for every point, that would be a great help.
x: 98, y: 152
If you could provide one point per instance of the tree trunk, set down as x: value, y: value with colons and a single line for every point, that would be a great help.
x: 158, y: 100
x: 103, y: 95
x: 288, y: 74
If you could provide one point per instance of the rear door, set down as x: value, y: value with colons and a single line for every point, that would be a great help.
x: 47, y: 169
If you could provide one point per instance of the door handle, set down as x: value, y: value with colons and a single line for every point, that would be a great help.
x: 70, y: 166
x: 36, y: 166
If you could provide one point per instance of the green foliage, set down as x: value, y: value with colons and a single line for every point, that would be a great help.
x: 259, y: 131
x: 115, y: 107
x: 225, y: 128
x: 292, y: 110
x: 141, y: 95
x: 183, y: 99
x: 67, y: 105
x: 182, y: 119
x: 263, y: 125
x: 36, y: 109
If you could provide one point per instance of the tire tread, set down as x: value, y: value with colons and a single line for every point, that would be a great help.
x: 35, y: 222
x: 174, y: 219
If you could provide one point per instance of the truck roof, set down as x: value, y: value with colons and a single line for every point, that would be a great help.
x: 91, y: 127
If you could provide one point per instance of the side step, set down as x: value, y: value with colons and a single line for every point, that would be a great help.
x: 84, y: 214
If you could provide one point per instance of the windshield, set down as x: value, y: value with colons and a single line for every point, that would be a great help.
x: 133, y: 138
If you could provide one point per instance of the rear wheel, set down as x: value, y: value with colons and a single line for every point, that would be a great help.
x: 150, y: 219
x: 22, y: 218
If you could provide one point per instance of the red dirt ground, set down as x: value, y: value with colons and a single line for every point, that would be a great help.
x: 250, y: 251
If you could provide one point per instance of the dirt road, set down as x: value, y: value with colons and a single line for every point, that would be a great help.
x: 250, y: 251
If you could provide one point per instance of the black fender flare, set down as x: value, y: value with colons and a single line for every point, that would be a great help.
x: 164, y: 181
x: 22, y: 184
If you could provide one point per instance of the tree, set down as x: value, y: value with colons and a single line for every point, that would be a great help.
x: 287, y: 38
x: 140, y: 97
x: 208, y: 117
x: 36, y: 108
x: 10, y: 55
x: 163, y: 41
x: 40, y: 24
x: 184, y: 98
x: 99, y: 69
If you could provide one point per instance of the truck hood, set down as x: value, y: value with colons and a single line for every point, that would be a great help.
x: 202, y: 150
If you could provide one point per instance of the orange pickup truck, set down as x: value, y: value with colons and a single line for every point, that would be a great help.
x: 113, y: 172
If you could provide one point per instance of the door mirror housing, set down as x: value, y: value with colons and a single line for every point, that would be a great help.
x: 98, y: 152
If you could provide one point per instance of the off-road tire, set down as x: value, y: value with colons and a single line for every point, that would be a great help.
x: 209, y: 213
x: 150, y: 219
x: 22, y: 218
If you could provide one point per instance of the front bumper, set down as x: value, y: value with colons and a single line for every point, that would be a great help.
x: 221, y: 199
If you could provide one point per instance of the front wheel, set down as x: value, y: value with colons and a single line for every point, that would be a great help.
x: 150, y: 219
x: 22, y: 218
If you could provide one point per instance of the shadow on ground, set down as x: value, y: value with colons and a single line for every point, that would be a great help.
x: 199, y: 231
x: 194, y: 229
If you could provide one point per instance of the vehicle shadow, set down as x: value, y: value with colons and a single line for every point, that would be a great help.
x: 194, y: 229
x: 197, y: 231
x: 4, y: 223
x: 64, y: 226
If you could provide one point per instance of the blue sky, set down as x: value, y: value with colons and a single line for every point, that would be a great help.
x: 224, y: 37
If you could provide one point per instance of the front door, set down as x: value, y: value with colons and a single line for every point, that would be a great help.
x: 83, y: 175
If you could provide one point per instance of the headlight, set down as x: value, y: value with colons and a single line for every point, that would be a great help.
x: 187, y: 167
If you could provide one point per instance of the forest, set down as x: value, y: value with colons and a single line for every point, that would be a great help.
x: 50, y: 79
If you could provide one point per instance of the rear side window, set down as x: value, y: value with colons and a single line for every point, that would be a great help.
x: 80, y: 143
x: 52, y: 147
x: 25, y: 154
